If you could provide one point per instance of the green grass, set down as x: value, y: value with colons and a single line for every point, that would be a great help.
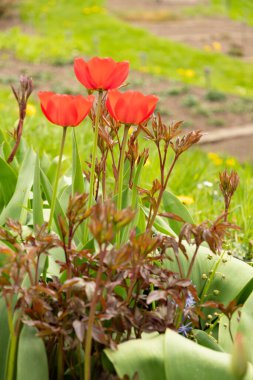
x: 239, y: 10
x: 65, y: 29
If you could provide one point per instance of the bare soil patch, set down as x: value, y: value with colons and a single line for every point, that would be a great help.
x: 164, y: 19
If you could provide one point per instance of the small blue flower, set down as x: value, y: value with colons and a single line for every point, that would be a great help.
x: 185, y: 329
x: 189, y: 301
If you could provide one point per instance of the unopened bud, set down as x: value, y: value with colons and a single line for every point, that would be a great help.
x: 239, y: 357
x: 216, y: 292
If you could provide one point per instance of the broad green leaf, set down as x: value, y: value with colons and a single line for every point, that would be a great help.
x: 145, y: 356
x: 32, y: 357
x: 231, y: 277
x: 8, y: 180
x: 185, y: 359
x: 47, y: 189
x: 141, y: 223
x: 37, y: 198
x: 4, y: 338
x: 171, y: 357
x: 77, y: 173
x: 172, y: 204
x: 206, y: 340
x: 17, y: 207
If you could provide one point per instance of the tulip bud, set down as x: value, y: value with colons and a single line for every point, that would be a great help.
x: 239, y: 357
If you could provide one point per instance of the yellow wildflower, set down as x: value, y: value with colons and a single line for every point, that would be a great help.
x: 147, y: 163
x: 93, y: 10
x: 230, y: 161
x: 30, y: 110
x: 186, y: 200
x: 215, y: 158
x: 131, y: 130
x: 216, y: 45
x: 189, y: 73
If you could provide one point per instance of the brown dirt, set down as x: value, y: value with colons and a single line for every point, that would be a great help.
x: 235, y: 38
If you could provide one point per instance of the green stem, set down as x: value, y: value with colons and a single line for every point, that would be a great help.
x: 121, y: 173
x: 94, y: 156
x: 53, y: 201
x: 13, y: 348
x: 210, y: 279
x: 160, y: 196
x: 88, y: 338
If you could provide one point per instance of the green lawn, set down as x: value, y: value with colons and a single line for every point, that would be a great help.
x: 240, y: 10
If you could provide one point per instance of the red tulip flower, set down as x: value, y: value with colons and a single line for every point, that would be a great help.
x: 101, y: 73
x: 130, y: 107
x: 65, y: 110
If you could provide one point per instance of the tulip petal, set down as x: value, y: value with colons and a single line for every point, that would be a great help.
x: 65, y: 110
x: 82, y: 73
x: 112, y: 98
x: 118, y: 76
x: 83, y: 106
x: 130, y: 107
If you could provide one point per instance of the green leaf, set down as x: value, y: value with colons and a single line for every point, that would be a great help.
x: 206, y: 340
x: 142, y: 355
x: 169, y: 357
x: 37, y: 198
x: 141, y: 220
x: 47, y: 189
x: 32, y: 357
x: 8, y: 180
x: 77, y: 173
x: 17, y: 207
x: 4, y: 338
x: 231, y: 277
x: 172, y: 204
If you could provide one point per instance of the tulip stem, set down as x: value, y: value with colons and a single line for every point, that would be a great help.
x: 121, y: 173
x: 53, y: 201
x: 94, y: 155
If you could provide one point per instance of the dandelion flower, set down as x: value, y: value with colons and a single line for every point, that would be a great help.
x: 230, y: 162
x: 30, y: 110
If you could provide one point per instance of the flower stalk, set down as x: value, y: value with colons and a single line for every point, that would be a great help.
x: 94, y: 156
x: 121, y: 174
x: 53, y: 202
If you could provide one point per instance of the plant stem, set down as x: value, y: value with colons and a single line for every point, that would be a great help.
x: 159, y: 199
x: 94, y: 156
x: 13, y: 347
x: 88, y: 338
x: 60, y: 369
x: 192, y: 261
x: 18, y: 139
x: 210, y: 279
x: 121, y: 173
x: 53, y: 201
